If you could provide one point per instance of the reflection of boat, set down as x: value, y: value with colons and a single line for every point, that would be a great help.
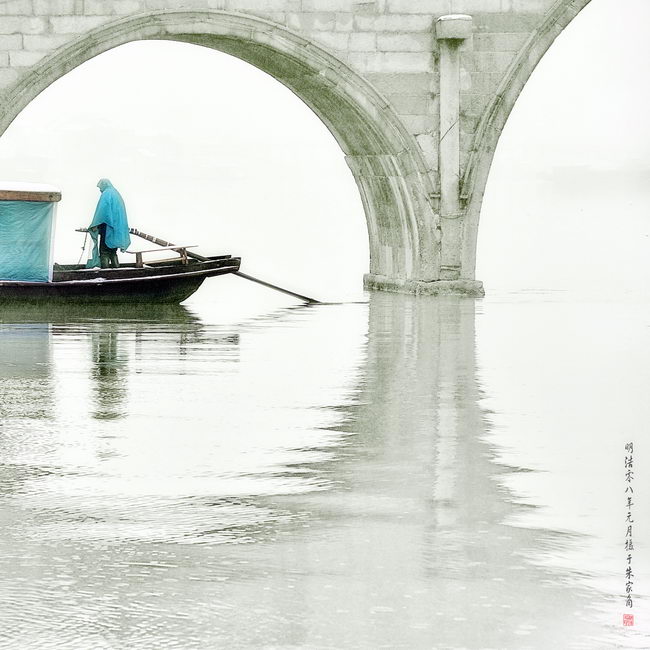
x: 27, y: 275
x: 128, y: 314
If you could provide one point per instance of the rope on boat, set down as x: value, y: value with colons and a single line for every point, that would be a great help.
x: 83, y: 248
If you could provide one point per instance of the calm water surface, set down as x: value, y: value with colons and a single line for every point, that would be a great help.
x: 390, y: 473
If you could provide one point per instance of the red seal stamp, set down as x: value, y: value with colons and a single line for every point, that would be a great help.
x: 628, y: 619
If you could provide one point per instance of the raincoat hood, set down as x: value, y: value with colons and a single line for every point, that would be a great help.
x: 110, y: 211
x: 103, y: 184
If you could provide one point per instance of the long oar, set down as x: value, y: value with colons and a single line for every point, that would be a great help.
x: 162, y: 242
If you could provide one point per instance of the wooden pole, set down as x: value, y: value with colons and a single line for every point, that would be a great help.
x: 307, y: 299
x: 200, y: 258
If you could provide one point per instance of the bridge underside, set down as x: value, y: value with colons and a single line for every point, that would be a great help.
x: 383, y: 158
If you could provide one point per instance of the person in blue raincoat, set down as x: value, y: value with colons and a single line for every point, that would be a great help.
x: 109, y: 226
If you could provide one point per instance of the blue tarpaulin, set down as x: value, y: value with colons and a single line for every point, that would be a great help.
x: 110, y: 211
x: 25, y: 240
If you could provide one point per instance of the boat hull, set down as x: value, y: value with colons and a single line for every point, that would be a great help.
x: 153, y: 286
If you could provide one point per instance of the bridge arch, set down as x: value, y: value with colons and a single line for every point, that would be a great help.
x: 495, y: 116
x: 384, y: 158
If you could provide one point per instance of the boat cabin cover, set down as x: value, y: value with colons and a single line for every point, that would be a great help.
x: 27, y: 216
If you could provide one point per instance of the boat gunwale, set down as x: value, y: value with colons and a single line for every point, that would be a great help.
x: 221, y: 270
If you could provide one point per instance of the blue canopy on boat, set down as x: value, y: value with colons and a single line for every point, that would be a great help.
x: 26, y: 232
x: 110, y: 211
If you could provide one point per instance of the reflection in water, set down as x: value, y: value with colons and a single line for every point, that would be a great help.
x: 26, y: 395
x: 407, y: 549
x: 319, y: 478
x: 110, y: 374
x: 25, y: 373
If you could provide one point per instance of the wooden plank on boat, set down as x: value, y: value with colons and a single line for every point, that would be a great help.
x: 181, y: 250
x: 29, y: 195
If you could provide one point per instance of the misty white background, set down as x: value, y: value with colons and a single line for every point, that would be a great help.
x: 208, y: 150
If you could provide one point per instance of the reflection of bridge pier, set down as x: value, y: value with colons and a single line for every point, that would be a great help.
x: 409, y: 546
x: 419, y: 382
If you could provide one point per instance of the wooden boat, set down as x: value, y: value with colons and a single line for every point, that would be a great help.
x: 168, y: 281
x: 162, y: 283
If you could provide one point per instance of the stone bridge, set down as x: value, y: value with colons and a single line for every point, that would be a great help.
x: 416, y: 92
